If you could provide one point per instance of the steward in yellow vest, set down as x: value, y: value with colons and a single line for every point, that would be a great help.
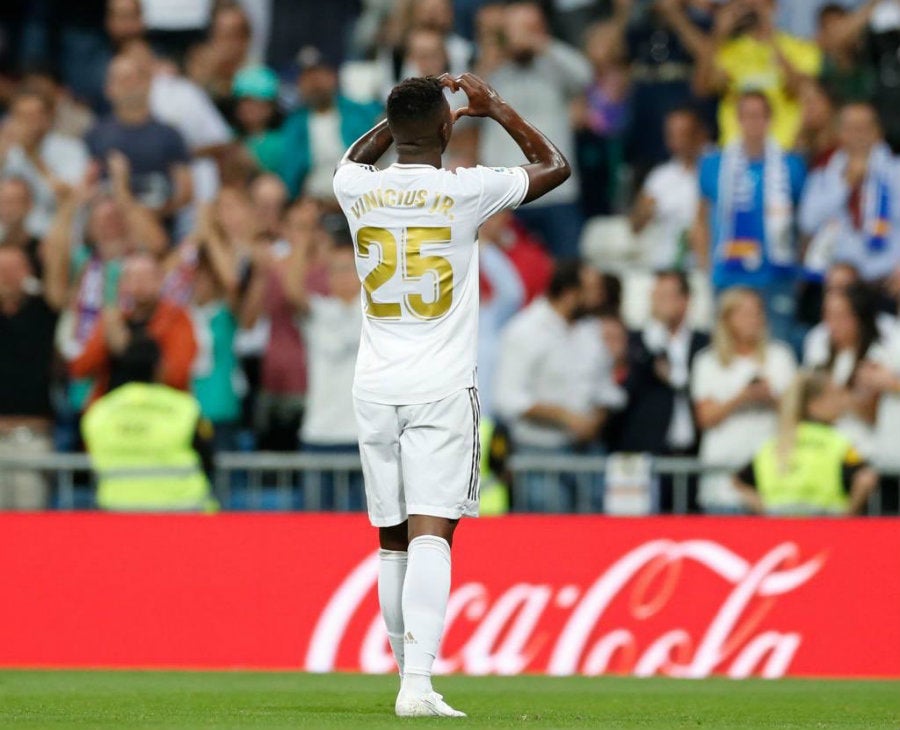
x: 494, y: 453
x: 142, y: 438
x: 810, y: 467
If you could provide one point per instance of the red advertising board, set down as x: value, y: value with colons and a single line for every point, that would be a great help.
x: 558, y: 595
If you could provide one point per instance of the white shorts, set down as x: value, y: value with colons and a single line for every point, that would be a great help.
x: 420, y: 459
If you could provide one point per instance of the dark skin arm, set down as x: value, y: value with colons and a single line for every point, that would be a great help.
x: 548, y: 167
x: 369, y: 148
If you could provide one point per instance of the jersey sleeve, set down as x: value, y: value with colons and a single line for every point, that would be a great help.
x: 348, y: 179
x: 501, y: 188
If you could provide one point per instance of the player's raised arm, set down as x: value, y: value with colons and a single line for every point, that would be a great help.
x: 369, y: 148
x: 548, y: 167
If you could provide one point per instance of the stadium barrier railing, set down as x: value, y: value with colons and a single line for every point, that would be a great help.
x: 332, y: 482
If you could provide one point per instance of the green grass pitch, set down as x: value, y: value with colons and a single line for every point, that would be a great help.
x: 125, y: 700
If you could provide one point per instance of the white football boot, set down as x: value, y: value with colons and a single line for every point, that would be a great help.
x: 428, y: 705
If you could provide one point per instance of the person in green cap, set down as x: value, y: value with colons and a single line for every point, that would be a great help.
x: 257, y: 117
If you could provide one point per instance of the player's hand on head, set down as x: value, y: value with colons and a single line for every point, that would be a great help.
x: 483, y: 100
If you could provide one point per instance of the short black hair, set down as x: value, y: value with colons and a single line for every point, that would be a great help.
x: 684, y: 284
x: 138, y: 363
x: 566, y: 276
x: 414, y: 100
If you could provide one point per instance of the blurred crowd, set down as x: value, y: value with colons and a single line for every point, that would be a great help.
x: 165, y: 174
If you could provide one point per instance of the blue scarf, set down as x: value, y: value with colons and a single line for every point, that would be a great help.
x: 740, y: 243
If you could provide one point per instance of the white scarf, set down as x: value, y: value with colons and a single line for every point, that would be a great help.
x: 877, y: 214
x: 778, y: 210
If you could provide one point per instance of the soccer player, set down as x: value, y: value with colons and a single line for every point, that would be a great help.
x: 414, y: 225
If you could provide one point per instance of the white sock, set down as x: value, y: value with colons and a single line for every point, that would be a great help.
x: 425, y: 594
x: 391, y: 574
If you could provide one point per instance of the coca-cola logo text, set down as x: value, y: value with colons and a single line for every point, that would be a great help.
x: 683, y: 609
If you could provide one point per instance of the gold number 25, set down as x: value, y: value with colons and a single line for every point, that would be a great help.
x: 415, y: 266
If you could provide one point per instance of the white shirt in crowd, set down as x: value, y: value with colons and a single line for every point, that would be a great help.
x: 865, y: 436
x: 66, y: 158
x: 176, y: 14
x: 677, y: 348
x: 734, y: 442
x: 327, y: 150
x: 675, y: 190
x: 540, y: 92
x: 182, y: 104
x: 415, y: 230
x: 331, y: 329
x: 545, y: 359
x: 887, y: 419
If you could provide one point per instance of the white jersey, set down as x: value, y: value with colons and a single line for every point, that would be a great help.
x: 414, y: 228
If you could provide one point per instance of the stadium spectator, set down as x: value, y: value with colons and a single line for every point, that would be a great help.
x: 615, y: 339
x: 433, y: 15
x: 184, y: 106
x: 555, y: 390
x: 736, y: 385
x: 658, y: 418
x: 422, y: 53
x: 490, y: 38
x: 809, y: 467
x: 269, y: 197
x: 501, y: 296
x: 601, y: 118
x: 147, y: 441
x: 224, y: 54
x: 28, y: 312
x: 209, y: 247
x: 316, y: 134
x: 839, y: 34
x: 158, y: 156
x: 295, y: 268
x: 15, y: 205
x: 86, y: 49
x: 666, y: 207
x: 878, y: 23
x: 331, y: 329
x: 257, y: 118
x: 533, y: 263
x: 116, y: 226
x: 745, y: 225
x: 140, y: 312
x: 853, y: 341
x: 71, y: 116
x: 540, y: 77
x: 216, y: 379
x: 882, y: 377
x: 849, y: 207
x: 664, y: 39
x: 818, y: 138
x: 91, y: 262
x: 749, y: 52
x: 47, y: 160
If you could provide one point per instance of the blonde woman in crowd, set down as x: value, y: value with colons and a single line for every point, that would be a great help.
x: 736, y: 386
x: 810, y: 467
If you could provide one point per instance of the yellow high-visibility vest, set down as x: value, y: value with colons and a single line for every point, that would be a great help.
x: 140, y: 440
x: 494, y: 493
x: 814, y: 477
